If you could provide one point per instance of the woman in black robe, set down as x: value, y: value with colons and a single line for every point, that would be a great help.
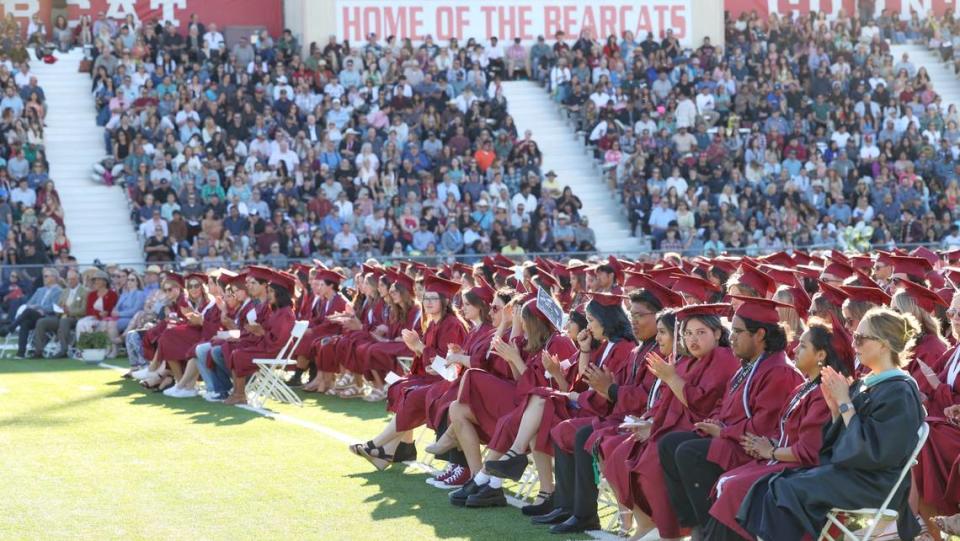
x: 873, y: 431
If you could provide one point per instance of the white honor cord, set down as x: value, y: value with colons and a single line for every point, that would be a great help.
x: 746, y: 387
x: 953, y: 367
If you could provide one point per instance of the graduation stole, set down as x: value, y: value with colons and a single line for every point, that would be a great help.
x: 791, y: 407
x: 745, y: 373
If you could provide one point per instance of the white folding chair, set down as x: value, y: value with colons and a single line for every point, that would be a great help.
x: 528, y: 481
x: 606, y: 498
x: 8, y: 346
x: 406, y: 363
x: 268, y: 382
x: 874, y: 516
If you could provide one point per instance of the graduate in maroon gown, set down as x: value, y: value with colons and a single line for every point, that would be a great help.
x: 327, y: 302
x: 693, y: 461
x: 692, y: 383
x: 407, y: 397
x: 273, y: 334
x: 378, y: 357
x: 365, y: 315
x: 543, y: 361
x: 616, y: 390
x: 937, y: 465
x: 921, y: 302
x: 174, y: 311
x: 800, y: 429
x: 175, y: 345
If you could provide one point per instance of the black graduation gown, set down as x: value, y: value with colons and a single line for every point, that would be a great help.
x: 859, y: 464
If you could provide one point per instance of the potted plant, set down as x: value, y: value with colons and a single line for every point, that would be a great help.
x: 93, y: 346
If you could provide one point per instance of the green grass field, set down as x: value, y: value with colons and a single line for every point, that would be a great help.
x: 86, y: 455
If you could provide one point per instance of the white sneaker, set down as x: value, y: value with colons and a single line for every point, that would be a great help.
x: 171, y: 392
x: 187, y: 393
x: 141, y: 373
x: 212, y: 397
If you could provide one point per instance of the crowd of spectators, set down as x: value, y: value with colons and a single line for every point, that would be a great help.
x: 801, y: 132
x: 249, y: 152
x: 31, y: 216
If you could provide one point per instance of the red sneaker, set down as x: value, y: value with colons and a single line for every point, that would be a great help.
x: 442, y: 476
x: 459, y: 478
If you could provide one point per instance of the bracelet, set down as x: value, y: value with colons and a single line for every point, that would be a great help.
x: 773, y: 453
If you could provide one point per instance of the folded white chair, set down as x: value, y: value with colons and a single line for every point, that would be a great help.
x: 268, y: 382
x: 877, y: 515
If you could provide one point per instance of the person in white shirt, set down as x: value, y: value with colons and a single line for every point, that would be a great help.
x: 645, y: 123
x: 706, y: 106
x: 465, y: 100
x: 686, y: 113
x: 149, y: 227
x: 22, y: 78
x: 214, y: 39
x: 676, y: 181
x: 334, y: 89
x: 286, y: 155
x: 282, y: 84
x: 840, y: 136
x: 524, y: 199
x: 869, y: 151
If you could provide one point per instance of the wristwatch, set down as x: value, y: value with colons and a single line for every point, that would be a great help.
x: 844, y: 408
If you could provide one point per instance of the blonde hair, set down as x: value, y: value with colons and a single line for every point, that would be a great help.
x: 897, y: 330
x: 905, y: 303
x: 789, y: 316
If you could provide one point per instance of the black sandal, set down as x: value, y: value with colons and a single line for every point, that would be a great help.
x: 378, y: 457
x: 163, y: 384
x: 510, y: 466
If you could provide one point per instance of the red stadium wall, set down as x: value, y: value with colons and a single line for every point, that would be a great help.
x: 831, y: 7
x: 268, y: 13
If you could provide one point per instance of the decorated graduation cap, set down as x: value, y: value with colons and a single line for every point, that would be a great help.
x: 328, y: 276
x: 695, y: 287
x: 441, y: 286
x: 759, y: 310
x: 756, y: 279
x: 484, y: 291
x: 667, y: 297
x: 926, y: 299
x: 718, y: 310
x: 542, y: 305
x: 873, y: 295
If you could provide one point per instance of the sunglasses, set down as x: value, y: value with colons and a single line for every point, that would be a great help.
x: 859, y: 339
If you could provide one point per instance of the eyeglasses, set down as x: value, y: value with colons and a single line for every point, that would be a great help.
x: 859, y: 339
x: 194, y: 285
x: 431, y: 299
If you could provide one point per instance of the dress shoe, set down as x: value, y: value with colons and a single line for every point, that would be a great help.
x: 487, y: 496
x: 459, y: 497
x: 576, y: 524
x: 555, y: 516
x: 508, y: 467
x: 405, y: 452
x: 537, y: 509
x: 296, y: 380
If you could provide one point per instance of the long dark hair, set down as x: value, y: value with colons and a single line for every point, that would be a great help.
x: 821, y: 338
x: 616, y: 325
x: 282, y: 296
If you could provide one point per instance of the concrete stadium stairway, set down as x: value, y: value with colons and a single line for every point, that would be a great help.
x: 566, y: 154
x: 96, y: 216
x: 945, y: 82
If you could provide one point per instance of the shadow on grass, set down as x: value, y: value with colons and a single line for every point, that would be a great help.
x: 402, y: 496
x: 23, y: 366
x: 196, y: 409
x: 354, y: 407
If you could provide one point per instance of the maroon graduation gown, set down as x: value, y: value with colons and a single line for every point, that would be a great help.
x: 381, y: 357
x: 534, y: 382
x: 441, y: 394
x: 626, y: 361
x: 320, y: 326
x: 633, y: 467
x: 801, y: 429
x: 930, y: 350
x: 334, y: 355
x: 152, y: 335
x: 753, y: 406
x: 407, y: 397
x: 277, y: 328
x: 247, y: 339
x: 937, y: 474
x: 178, y: 341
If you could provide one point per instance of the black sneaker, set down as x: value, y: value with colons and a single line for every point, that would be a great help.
x: 459, y: 497
x: 487, y: 497
x: 509, y: 467
x: 296, y: 380
x: 537, y: 509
